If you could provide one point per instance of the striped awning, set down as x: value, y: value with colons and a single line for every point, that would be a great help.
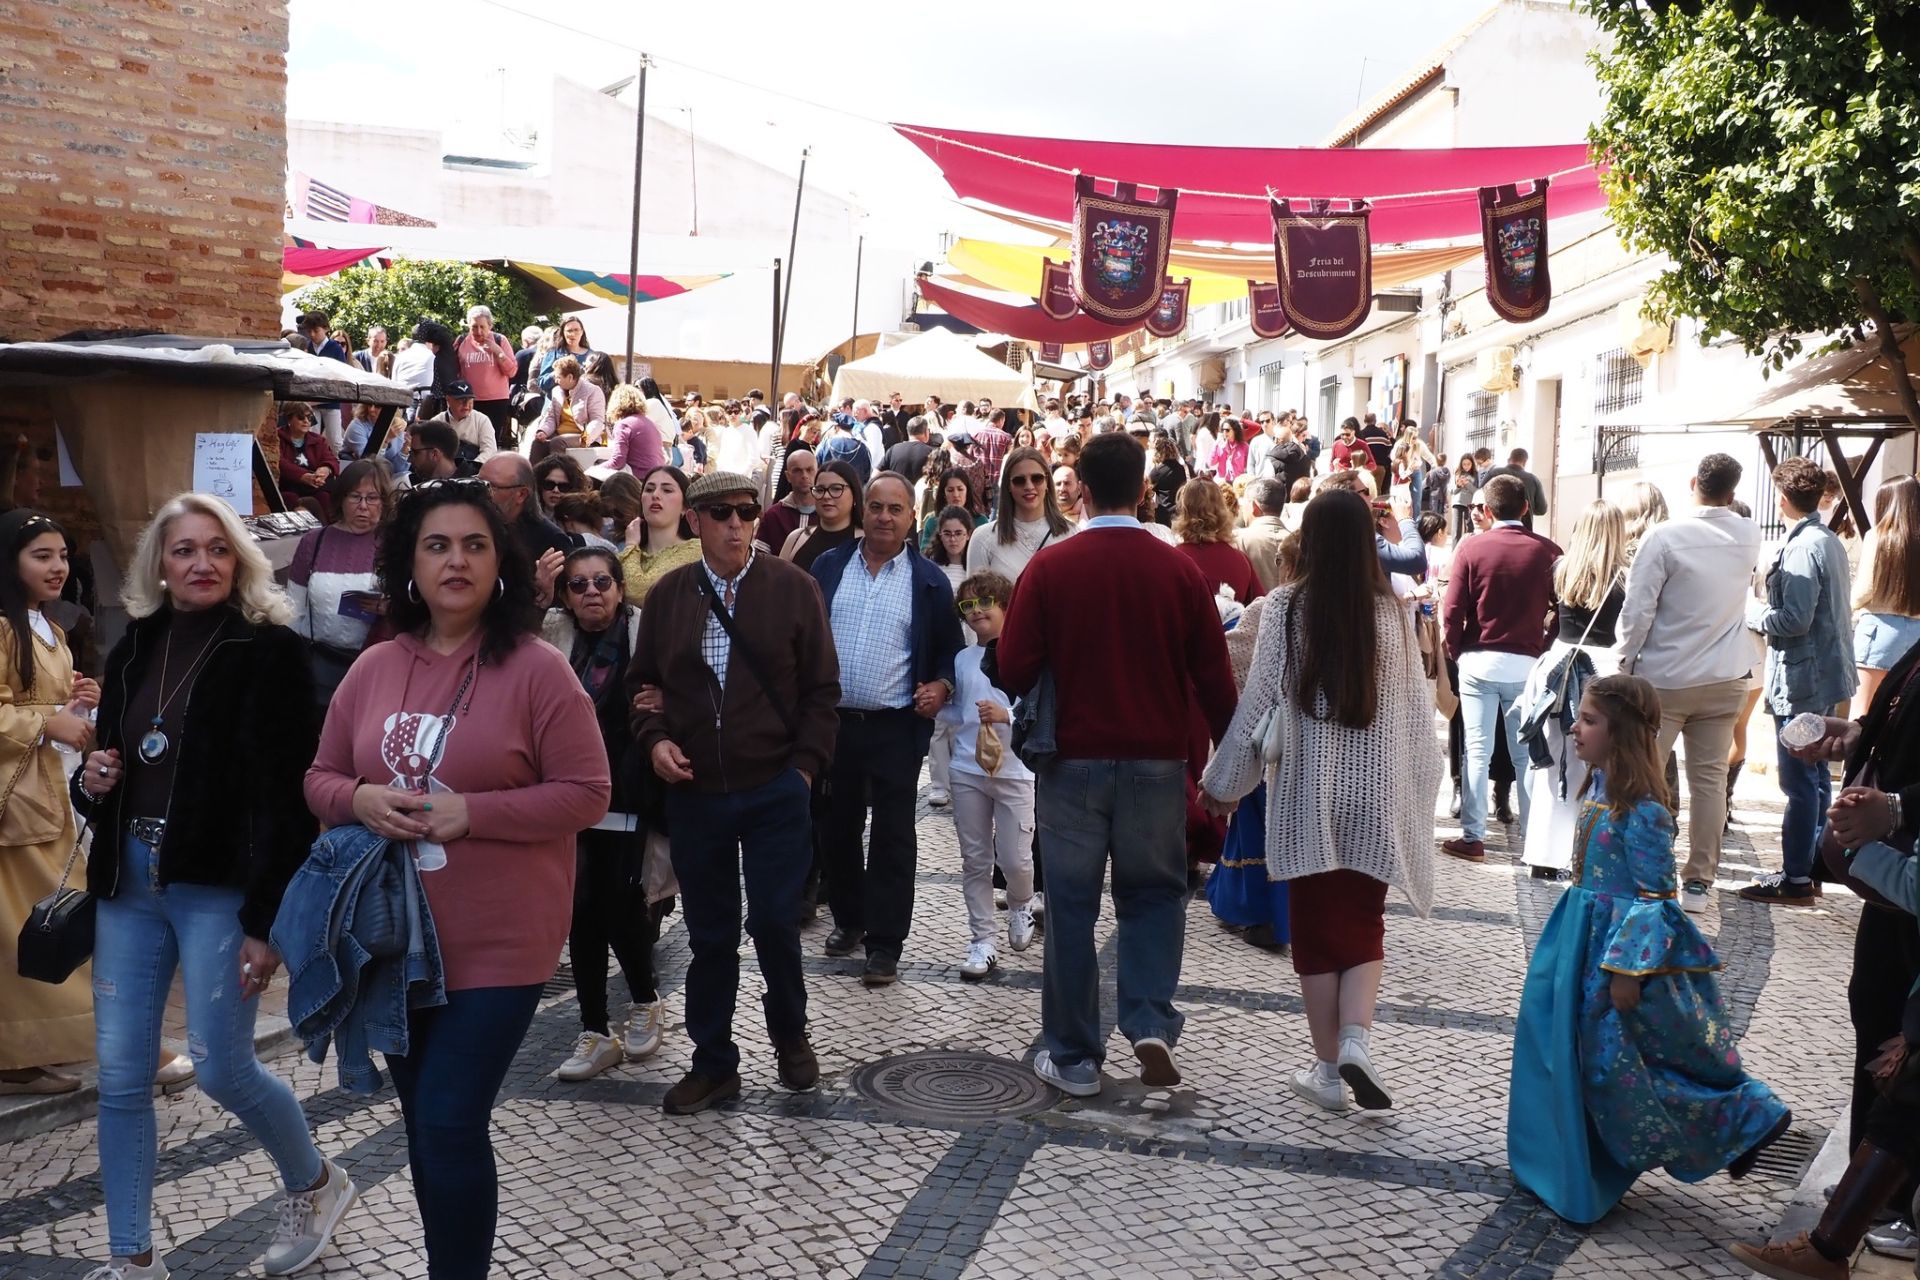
x: 594, y: 289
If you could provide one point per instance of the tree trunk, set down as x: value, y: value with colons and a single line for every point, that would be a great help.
x: 1890, y: 347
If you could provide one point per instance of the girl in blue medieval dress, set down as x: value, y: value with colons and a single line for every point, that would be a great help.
x: 1624, y: 1059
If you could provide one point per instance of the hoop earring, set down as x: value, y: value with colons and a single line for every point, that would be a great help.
x: 413, y: 592
x: 499, y: 588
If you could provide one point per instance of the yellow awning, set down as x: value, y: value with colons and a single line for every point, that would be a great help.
x: 1219, y: 274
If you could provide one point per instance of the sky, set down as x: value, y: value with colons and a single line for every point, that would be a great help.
x: 1218, y: 72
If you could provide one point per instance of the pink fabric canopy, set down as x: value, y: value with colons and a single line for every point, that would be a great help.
x: 1028, y: 323
x: 1416, y: 194
x: 307, y: 261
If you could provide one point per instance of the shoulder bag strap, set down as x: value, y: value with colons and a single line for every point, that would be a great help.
x: 743, y: 651
x: 313, y: 565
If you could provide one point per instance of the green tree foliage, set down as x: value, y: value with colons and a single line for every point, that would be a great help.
x: 410, y: 290
x: 1775, y: 160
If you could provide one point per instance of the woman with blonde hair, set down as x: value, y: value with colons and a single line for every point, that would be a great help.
x: 1886, y: 597
x: 1589, y: 588
x: 1203, y: 522
x: 207, y: 726
x: 1644, y: 507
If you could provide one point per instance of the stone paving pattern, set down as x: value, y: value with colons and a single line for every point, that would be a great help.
x: 1228, y: 1175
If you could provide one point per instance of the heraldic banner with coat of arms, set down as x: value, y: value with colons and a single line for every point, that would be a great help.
x: 1120, y: 246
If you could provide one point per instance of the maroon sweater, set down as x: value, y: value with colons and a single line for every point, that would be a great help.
x: 1128, y: 627
x: 1501, y: 592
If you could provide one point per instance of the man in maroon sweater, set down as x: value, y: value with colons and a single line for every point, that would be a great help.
x: 1128, y: 631
x: 1496, y: 623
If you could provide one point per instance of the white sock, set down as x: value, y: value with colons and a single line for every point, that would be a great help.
x: 1325, y: 1073
x: 1354, y: 1031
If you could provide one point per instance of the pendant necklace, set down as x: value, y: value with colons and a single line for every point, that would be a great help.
x: 155, y: 744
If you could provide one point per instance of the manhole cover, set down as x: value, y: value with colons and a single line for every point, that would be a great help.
x: 945, y: 1085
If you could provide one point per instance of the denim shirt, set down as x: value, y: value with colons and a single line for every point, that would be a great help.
x: 360, y: 949
x: 1806, y: 622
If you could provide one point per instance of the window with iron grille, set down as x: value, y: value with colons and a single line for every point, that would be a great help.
x: 1480, y: 419
x: 1617, y: 385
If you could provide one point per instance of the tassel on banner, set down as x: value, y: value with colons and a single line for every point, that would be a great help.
x: 1513, y: 234
x: 1265, y: 313
x: 1120, y: 247
x: 1324, y: 263
x: 1099, y: 355
x: 1056, y: 290
x: 1168, y: 318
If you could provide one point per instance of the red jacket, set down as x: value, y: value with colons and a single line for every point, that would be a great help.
x: 1501, y: 593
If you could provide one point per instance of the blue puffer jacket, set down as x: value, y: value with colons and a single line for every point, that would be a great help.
x: 358, y: 941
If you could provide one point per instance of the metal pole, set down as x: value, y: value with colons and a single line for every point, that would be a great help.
x: 859, y: 255
x: 633, y: 241
x: 793, y: 242
x: 773, y: 396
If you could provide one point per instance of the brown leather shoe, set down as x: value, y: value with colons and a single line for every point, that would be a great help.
x: 799, y: 1069
x: 697, y: 1092
x: 1794, y: 1259
x: 1465, y: 850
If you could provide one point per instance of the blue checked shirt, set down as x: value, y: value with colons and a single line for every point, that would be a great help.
x: 873, y: 632
x: 715, y: 647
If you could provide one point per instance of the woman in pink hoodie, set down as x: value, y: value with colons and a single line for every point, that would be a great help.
x: 471, y: 740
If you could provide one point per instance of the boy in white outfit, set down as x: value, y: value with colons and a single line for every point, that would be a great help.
x: 992, y: 810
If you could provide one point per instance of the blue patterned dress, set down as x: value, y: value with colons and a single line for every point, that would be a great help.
x: 1598, y: 1096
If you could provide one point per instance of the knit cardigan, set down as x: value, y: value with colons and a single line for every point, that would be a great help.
x: 1360, y: 799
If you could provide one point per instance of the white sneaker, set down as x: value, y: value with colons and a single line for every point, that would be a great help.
x: 1020, y: 928
x: 1038, y: 906
x: 939, y: 799
x: 122, y: 1269
x: 645, y: 1025
x: 592, y: 1054
x: 1309, y: 1085
x: 307, y: 1223
x: 1356, y: 1068
x: 981, y: 960
x: 177, y: 1070
x: 1693, y: 899
x: 1000, y: 899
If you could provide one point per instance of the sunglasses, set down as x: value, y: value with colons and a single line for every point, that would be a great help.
x: 1027, y: 481
x: 976, y: 604
x: 554, y: 486
x: 600, y: 582
x: 830, y: 490
x: 719, y: 512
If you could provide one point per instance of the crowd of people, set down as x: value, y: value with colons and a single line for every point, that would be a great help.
x: 502, y: 703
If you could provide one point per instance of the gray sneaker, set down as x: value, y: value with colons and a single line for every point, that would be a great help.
x: 1895, y: 1239
x: 307, y: 1223
x: 1079, y: 1080
x: 1693, y: 898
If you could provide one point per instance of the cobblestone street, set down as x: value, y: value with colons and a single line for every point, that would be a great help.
x: 1229, y: 1175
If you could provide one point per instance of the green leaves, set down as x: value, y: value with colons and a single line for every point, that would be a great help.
x: 411, y: 290
x: 1771, y: 150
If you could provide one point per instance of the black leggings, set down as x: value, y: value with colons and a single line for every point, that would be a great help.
x: 610, y: 909
x: 1886, y: 958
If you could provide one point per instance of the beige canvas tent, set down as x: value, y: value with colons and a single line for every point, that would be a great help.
x: 935, y: 363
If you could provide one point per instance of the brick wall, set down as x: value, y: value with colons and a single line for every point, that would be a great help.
x: 142, y: 165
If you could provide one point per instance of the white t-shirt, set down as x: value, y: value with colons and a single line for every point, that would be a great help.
x: 986, y: 551
x: 414, y: 366
x: 970, y: 686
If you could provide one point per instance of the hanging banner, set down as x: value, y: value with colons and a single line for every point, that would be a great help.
x: 1056, y: 290
x: 1120, y: 246
x: 1264, y: 311
x: 1325, y: 266
x: 1513, y: 231
x: 1099, y: 355
x: 1170, y: 317
x: 1050, y: 353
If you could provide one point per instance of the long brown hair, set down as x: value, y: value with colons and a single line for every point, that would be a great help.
x: 1895, y: 584
x: 1633, y: 768
x: 1003, y: 521
x: 1341, y: 590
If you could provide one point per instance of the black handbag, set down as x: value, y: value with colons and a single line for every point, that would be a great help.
x: 58, y: 935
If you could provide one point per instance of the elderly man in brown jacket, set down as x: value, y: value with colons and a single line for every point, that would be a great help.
x: 738, y: 647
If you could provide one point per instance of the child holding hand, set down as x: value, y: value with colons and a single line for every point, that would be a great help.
x: 1624, y: 1059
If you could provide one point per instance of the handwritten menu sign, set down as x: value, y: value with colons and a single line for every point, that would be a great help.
x: 223, y: 467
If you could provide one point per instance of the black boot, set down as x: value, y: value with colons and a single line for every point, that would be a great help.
x: 1502, y: 808
x: 1733, y: 776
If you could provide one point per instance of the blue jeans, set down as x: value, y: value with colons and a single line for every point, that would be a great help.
x: 1137, y: 811
x: 457, y: 1058
x: 1809, y: 791
x: 141, y: 936
x: 1487, y: 708
x: 716, y: 836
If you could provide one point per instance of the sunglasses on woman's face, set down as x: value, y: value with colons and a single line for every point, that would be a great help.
x: 1027, y: 481
x: 557, y: 484
x: 601, y: 582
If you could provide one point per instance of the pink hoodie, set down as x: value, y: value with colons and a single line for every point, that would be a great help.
x: 525, y: 751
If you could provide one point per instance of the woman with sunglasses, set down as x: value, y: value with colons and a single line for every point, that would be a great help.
x: 308, y: 463
x: 660, y: 540
x: 595, y: 627
x: 1029, y: 518
x: 473, y: 745
x: 836, y: 501
x: 555, y: 476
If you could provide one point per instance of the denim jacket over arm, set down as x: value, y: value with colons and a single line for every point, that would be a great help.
x: 1806, y: 621
x: 358, y: 940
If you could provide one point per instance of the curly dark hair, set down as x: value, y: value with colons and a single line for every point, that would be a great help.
x: 511, y: 614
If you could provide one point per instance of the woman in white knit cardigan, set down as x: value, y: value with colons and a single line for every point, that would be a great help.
x: 1350, y: 796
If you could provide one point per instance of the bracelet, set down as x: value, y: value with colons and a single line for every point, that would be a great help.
x: 1894, y: 811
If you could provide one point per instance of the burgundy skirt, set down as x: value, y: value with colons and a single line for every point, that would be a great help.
x: 1339, y: 920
